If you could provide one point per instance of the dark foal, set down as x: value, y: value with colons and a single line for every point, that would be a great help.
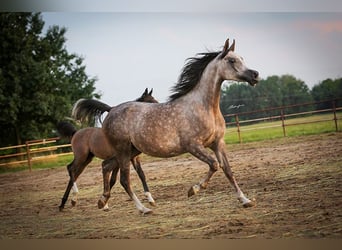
x: 89, y: 142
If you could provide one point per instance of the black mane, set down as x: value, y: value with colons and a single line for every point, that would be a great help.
x: 191, y: 74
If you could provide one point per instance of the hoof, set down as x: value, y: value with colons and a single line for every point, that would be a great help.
x: 193, y: 190
x: 150, y: 199
x: 152, y: 203
x: 61, y: 208
x: 146, y: 211
x: 100, y: 204
x: 106, y: 207
x: 251, y: 203
x: 73, y: 203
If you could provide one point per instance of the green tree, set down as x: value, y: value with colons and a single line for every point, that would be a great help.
x: 39, y: 78
x: 328, y: 90
x: 294, y: 91
x: 269, y: 92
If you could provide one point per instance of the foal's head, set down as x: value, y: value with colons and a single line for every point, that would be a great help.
x: 147, y: 97
x: 232, y: 67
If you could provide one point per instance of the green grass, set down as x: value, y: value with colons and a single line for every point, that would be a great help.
x: 272, y: 130
x: 48, y: 163
x: 59, y: 161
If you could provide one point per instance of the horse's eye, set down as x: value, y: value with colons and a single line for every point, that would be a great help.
x: 231, y: 60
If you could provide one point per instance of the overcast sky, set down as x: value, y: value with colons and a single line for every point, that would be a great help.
x: 129, y: 51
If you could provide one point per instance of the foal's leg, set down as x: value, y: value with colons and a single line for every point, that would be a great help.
x: 78, y: 172
x: 221, y: 155
x: 75, y: 168
x: 202, y: 154
x: 113, y: 177
x: 137, y: 166
x: 125, y: 182
x: 69, y: 186
x: 112, y: 183
x: 107, y: 167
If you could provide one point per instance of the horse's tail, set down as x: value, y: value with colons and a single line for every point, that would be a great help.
x: 66, y: 130
x: 86, y: 110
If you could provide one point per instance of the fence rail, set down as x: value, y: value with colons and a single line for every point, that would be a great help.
x: 282, y: 117
x: 33, y: 150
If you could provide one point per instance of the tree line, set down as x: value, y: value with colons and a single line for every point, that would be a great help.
x: 276, y: 91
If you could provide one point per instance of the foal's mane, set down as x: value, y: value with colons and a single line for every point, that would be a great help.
x: 191, y: 74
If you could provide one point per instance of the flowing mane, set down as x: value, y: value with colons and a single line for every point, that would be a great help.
x: 191, y: 74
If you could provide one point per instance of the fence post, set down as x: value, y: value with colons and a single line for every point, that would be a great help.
x: 283, y: 121
x: 28, y: 154
x: 238, y: 127
x: 335, y: 117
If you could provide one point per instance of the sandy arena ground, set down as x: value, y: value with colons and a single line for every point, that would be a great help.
x: 297, y: 184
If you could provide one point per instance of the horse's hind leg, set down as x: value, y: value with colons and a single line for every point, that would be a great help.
x: 201, y: 153
x: 69, y: 186
x: 137, y: 166
x: 74, y: 170
x: 125, y: 182
x: 66, y: 194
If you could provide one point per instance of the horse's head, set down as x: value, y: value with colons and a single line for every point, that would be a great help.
x: 232, y: 66
x: 147, y: 97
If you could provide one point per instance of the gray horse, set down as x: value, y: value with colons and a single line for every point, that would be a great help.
x: 190, y: 121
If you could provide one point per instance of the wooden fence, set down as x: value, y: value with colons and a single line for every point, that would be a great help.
x: 48, y: 148
x: 282, y: 116
x: 31, y: 151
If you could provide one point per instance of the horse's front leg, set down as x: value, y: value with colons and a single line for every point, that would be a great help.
x: 125, y: 182
x: 221, y: 154
x: 137, y: 166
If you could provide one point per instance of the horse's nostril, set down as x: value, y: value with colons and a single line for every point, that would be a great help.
x: 255, y: 74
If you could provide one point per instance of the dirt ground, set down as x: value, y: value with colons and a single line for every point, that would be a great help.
x: 296, y: 183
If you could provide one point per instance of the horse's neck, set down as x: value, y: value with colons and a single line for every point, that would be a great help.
x: 209, y: 88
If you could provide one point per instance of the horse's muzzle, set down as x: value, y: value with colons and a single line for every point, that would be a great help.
x: 251, y: 76
x: 255, y: 77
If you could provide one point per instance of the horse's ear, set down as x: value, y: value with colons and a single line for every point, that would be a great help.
x: 146, y: 91
x: 232, y: 47
x: 150, y: 92
x: 225, y: 48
